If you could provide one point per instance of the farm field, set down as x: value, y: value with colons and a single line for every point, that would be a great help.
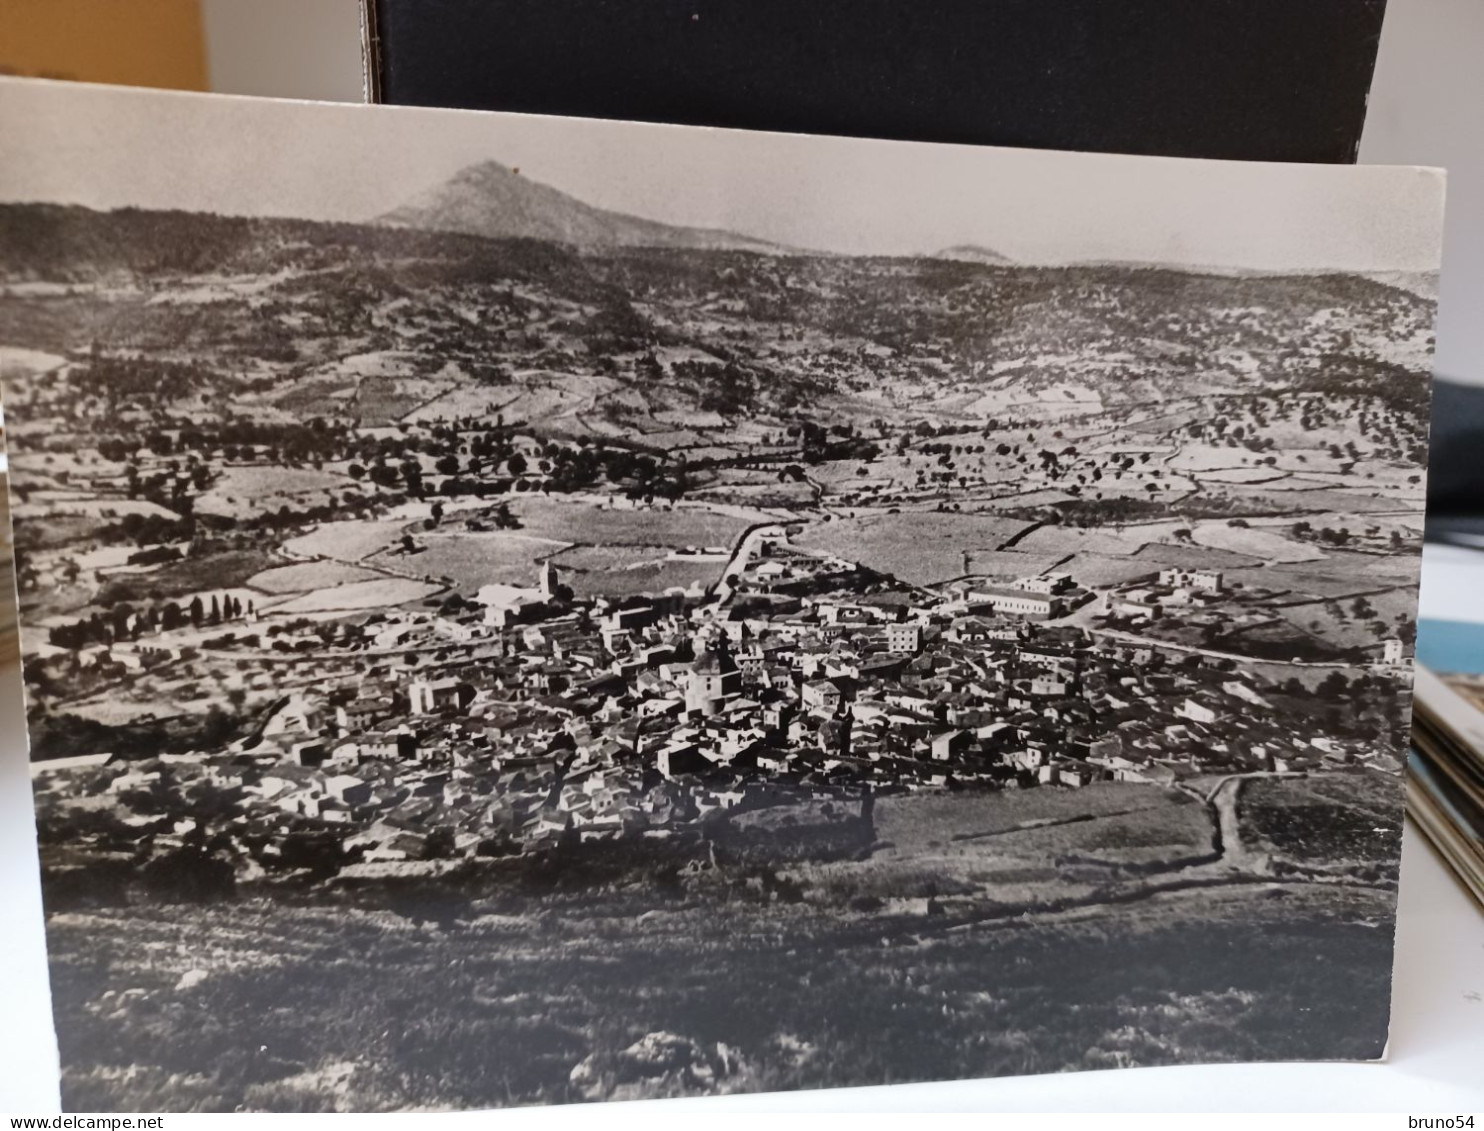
x: 211, y: 571
x: 1254, y: 542
x: 627, y: 526
x: 383, y: 593
x: 1119, y: 541
x: 560, y: 396
x: 589, y: 559
x: 1379, y: 569
x: 1011, y: 563
x: 347, y: 541
x: 383, y: 400
x: 765, y: 494
x: 1320, y: 498
x: 1101, y: 569
x: 475, y: 559
x: 908, y: 822
x: 244, y: 491
x: 1194, y: 557
x: 919, y: 547
x: 1241, y: 475
x: 1034, y: 847
x: 1323, y: 819
x: 644, y: 577
x: 305, y: 576
x: 110, y: 508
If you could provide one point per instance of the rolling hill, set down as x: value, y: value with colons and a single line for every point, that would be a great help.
x: 491, y: 200
x: 973, y: 253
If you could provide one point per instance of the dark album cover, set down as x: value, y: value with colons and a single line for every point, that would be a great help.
x: 1255, y: 80
x: 524, y: 610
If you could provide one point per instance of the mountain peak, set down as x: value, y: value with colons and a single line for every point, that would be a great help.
x: 493, y: 200
x: 973, y: 253
x: 482, y: 172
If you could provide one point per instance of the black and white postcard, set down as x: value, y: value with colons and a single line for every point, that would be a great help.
x: 529, y: 610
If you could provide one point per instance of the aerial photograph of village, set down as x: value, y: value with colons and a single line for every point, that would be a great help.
x: 511, y: 652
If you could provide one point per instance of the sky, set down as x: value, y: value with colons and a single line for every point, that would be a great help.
x: 108, y: 147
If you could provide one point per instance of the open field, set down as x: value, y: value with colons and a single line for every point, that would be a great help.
x: 382, y: 399
x: 1101, y: 569
x: 485, y: 998
x: 1357, y: 621
x: 304, y: 576
x: 557, y: 519
x: 244, y: 491
x: 645, y: 577
x: 1194, y: 557
x: 1011, y: 563
x: 383, y: 593
x: 209, y: 571
x: 347, y: 541
x: 540, y: 399
x: 1026, y: 846
x: 1111, y: 541
x: 1292, y: 495
x: 912, y: 821
x: 919, y: 547
x: 475, y: 559
x: 1254, y: 542
x: 590, y: 559
x: 1325, y: 818
x: 106, y: 508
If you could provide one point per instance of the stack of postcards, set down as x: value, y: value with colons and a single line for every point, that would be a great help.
x: 1445, y: 789
x: 9, y: 637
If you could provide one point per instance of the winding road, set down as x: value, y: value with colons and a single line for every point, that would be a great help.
x: 747, y: 546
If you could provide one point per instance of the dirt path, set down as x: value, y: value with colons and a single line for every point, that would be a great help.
x: 1235, y: 852
x: 742, y: 554
x: 1085, y: 906
x: 1222, y: 801
x: 1234, y: 863
x: 1192, y: 649
x: 1048, y: 823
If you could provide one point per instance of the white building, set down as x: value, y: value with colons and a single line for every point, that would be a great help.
x: 1193, y: 711
x: 1047, y: 583
x: 904, y: 637
x: 1015, y: 603
x: 430, y: 697
x: 1200, y: 580
x: 506, y: 604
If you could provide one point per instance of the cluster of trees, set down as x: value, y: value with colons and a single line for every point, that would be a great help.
x: 837, y: 442
x: 643, y: 476
x: 559, y: 468
x: 726, y: 388
x: 1359, y: 706
x: 237, y: 439
x: 117, y: 379
x: 124, y: 621
x: 1085, y: 513
x: 501, y: 517
x: 1305, y: 531
x: 60, y: 735
x: 147, y: 529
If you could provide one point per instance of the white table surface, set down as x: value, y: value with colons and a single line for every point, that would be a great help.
x: 1435, y: 1062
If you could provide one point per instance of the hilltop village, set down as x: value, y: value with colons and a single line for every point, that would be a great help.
x: 797, y: 680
